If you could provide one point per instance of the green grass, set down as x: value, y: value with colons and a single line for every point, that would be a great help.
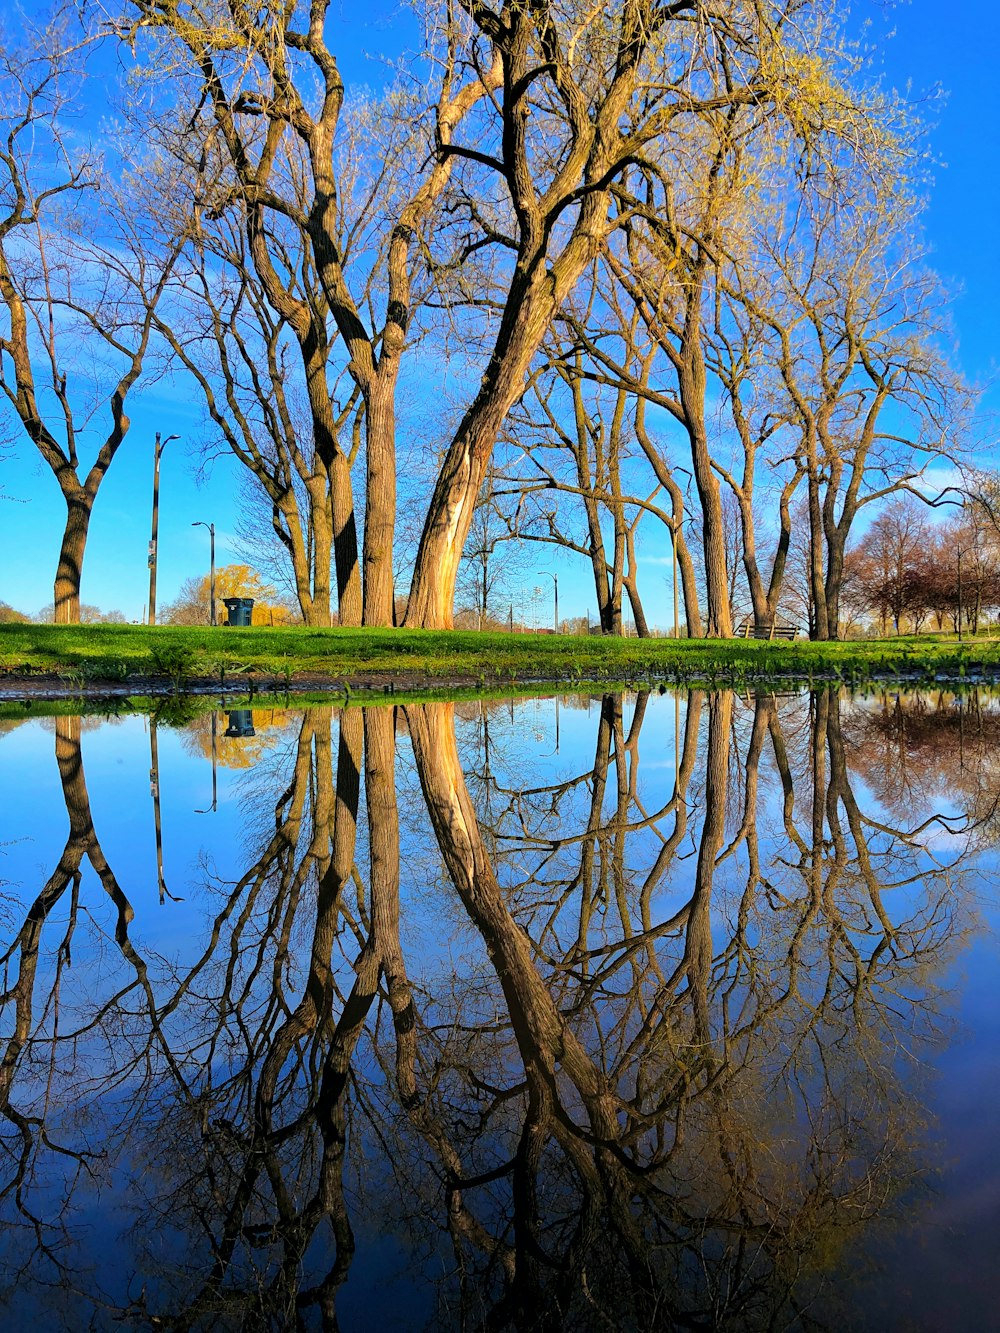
x: 87, y: 657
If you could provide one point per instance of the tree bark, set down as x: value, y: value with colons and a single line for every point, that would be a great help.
x: 817, y: 590
x: 345, y: 543
x: 453, y: 502
x: 312, y: 567
x: 380, y: 503
x: 691, y: 385
x: 69, y: 571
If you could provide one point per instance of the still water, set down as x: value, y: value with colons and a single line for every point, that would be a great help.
x: 638, y: 1012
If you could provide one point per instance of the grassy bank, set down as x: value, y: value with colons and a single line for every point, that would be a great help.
x: 99, y: 656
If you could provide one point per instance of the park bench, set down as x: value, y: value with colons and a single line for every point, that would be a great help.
x: 747, y: 631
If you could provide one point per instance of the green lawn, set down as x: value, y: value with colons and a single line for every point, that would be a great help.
x: 94, y: 654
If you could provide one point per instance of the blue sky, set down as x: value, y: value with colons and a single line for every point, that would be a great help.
x: 912, y: 47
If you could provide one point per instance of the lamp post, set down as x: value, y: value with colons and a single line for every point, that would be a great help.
x: 160, y: 446
x: 555, y: 598
x: 960, y: 594
x: 211, y: 582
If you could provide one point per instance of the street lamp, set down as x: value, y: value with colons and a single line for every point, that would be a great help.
x: 211, y: 583
x: 160, y: 446
x: 555, y: 595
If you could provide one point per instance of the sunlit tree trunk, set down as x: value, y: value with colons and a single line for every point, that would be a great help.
x: 69, y: 571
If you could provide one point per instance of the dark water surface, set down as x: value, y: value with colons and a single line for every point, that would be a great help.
x: 632, y: 1012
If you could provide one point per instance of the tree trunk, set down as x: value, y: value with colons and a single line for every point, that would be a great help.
x: 598, y: 555
x: 539, y: 1025
x: 691, y: 383
x: 817, y: 588
x: 449, y: 515
x: 780, y: 561
x: 719, y: 621
x: 536, y: 291
x: 380, y: 503
x: 335, y: 461
x: 617, y: 580
x: 698, y: 931
x: 345, y: 543
x: 317, y: 578
x: 632, y: 587
x: 762, y: 616
x: 835, y: 543
x: 664, y: 476
x: 689, y: 583
x: 66, y: 591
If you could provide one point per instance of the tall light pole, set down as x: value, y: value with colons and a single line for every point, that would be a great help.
x: 211, y: 581
x: 555, y: 597
x: 960, y: 594
x: 160, y: 446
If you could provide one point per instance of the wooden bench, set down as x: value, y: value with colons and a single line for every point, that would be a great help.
x: 747, y: 631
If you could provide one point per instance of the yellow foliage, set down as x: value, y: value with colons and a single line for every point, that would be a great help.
x: 244, y: 581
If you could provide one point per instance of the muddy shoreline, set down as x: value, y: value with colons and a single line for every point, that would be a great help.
x: 52, y: 687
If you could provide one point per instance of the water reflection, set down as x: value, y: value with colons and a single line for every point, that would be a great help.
x: 630, y: 1038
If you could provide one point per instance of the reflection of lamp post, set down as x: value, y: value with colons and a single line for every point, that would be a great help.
x: 215, y: 765
x: 160, y: 446
x: 211, y: 578
x: 555, y: 595
x: 154, y: 791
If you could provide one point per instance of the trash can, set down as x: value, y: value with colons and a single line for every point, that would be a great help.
x: 240, y: 723
x: 239, y: 610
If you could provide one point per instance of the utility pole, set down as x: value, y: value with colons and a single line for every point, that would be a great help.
x: 555, y: 594
x: 160, y: 446
x: 211, y: 581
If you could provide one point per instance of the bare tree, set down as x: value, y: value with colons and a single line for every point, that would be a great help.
x: 267, y: 90
x: 570, y: 450
x: 269, y: 397
x: 577, y: 103
x: 76, y: 278
x: 839, y: 282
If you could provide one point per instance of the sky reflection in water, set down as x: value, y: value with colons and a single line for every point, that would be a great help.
x: 636, y: 1012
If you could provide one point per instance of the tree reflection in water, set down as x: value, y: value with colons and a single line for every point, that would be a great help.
x: 641, y: 1062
